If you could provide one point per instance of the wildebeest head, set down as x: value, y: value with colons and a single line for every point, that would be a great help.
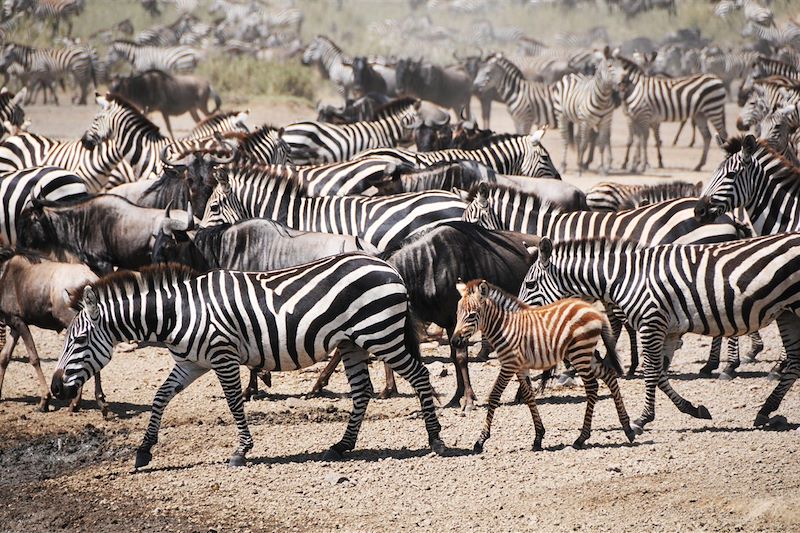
x: 34, y: 228
x: 170, y: 234
x: 489, y: 76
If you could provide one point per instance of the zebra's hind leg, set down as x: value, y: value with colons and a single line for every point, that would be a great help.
x: 729, y: 372
x: 530, y: 399
x: 683, y: 405
x: 657, y: 139
x: 230, y: 378
x: 181, y: 376
x: 713, y: 357
x: 702, y: 125
x: 789, y: 326
x: 355, y: 366
x: 499, y: 386
x: 632, y: 335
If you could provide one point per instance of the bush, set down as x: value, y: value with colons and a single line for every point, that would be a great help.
x: 248, y: 76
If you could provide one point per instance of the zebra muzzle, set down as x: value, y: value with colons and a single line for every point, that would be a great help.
x: 59, y: 389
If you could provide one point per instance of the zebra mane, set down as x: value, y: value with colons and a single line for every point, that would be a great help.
x: 248, y: 170
x: 507, y: 301
x: 595, y: 245
x: 733, y: 146
x: 126, y: 41
x: 660, y: 190
x: 538, y: 203
x: 494, y: 138
x: 393, y: 107
x: 508, y: 65
x: 629, y: 63
x: 138, y: 116
x: 151, y: 275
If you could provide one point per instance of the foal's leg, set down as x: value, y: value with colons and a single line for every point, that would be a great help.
x: 5, y: 356
x: 500, y: 385
x: 33, y: 357
x: 609, y: 377
x: 583, y: 366
x: 181, y: 376
x: 530, y: 399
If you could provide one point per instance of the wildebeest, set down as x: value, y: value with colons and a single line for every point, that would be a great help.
x: 431, y: 264
x: 103, y: 232
x: 369, y: 78
x: 449, y: 86
x: 38, y: 292
x: 353, y: 110
x: 172, y: 95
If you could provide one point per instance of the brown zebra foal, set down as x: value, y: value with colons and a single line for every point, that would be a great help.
x: 538, y: 338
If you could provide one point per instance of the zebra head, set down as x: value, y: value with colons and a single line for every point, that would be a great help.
x: 537, y: 162
x: 489, y: 76
x: 541, y: 285
x: 469, y: 314
x: 87, y: 348
x: 755, y: 109
x: 224, y: 206
x: 102, y: 126
x: 732, y: 184
x: 315, y: 51
x: 481, y: 210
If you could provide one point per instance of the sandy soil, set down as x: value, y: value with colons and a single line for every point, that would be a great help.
x: 73, y: 471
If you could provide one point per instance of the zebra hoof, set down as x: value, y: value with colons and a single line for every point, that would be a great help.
x: 333, y: 455
x: 725, y: 376
x: 478, y: 448
x: 438, y: 447
x: 637, y: 427
x: 630, y: 433
x: 761, y: 420
x: 702, y: 412
x: 579, y: 443
x: 537, y: 446
x: 773, y: 376
x: 143, y: 458
x: 237, y: 460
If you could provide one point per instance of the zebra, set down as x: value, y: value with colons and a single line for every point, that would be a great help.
x: 55, y: 10
x: 528, y: 102
x: 665, y: 291
x: 765, y: 95
x: 610, y: 196
x: 46, y: 64
x: 221, y: 122
x: 313, y: 142
x: 527, y: 338
x: 764, y: 67
x: 179, y: 59
x: 280, y: 320
x: 330, y: 61
x: 384, y: 221
x: 12, y: 116
x: 651, y: 99
x: 787, y: 36
x: 18, y: 188
x: 781, y: 130
x: 517, y: 155
x: 481, y: 211
x: 588, y: 103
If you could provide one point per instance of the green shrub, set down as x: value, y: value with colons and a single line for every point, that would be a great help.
x: 240, y: 76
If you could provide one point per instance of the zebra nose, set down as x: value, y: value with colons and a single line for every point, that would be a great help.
x: 740, y: 125
x: 59, y: 390
x: 701, y: 210
x: 458, y: 340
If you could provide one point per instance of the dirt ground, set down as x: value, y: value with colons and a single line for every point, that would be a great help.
x: 74, y: 471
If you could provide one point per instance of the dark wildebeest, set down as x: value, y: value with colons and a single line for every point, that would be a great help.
x: 367, y: 79
x: 449, y: 86
x: 37, y: 292
x: 432, y: 130
x: 431, y: 264
x: 172, y: 95
x: 103, y: 232
x: 353, y: 110
x: 473, y: 64
x: 253, y: 245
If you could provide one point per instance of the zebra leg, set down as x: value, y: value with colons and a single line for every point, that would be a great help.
x: 499, y: 386
x: 181, y: 376
x: 678, y: 134
x: 463, y: 383
x: 390, y: 388
x: 694, y: 133
x: 729, y: 372
x: 412, y: 370
x: 702, y: 125
x: 355, y: 366
x: 229, y: 376
x: 683, y: 405
x: 713, y: 357
x: 657, y: 140
x: 100, y: 396
x: 530, y: 399
x: 789, y: 326
x: 327, y: 372
x: 777, y: 369
x: 628, y: 144
x: 591, y: 386
x: 756, y: 347
x: 609, y: 377
x: 632, y: 335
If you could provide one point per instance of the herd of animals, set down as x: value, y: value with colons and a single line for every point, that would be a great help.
x: 275, y: 247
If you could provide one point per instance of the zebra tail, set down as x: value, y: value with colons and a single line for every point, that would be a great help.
x: 611, y: 360
x: 217, y: 99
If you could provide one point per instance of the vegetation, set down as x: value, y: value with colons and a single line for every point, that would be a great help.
x: 247, y: 75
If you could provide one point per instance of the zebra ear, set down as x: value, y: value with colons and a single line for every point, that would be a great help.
x: 461, y: 288
x: 101, y: 100
x: 536, y: 137
x: 90, y: 302
x: 483, y: 289
x: 19, y: 97
x: 545, y: 251
x: 749, y: 146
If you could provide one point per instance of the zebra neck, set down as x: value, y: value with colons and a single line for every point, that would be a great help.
x: 494, y: 318
x: 597, y: 268
x: 142, y: 313
x: 775, y: 200
x: 510, y: 87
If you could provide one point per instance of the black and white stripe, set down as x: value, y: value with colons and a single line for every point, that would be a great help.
x: 330, y: 60
x: 313, y: 142
x: 280, y: 320
x: 180, y: 59
x: 610, y: 196
x: 45, y: 183
x: 47, y: 65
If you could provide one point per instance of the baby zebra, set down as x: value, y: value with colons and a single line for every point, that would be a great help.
x: 524, y: 339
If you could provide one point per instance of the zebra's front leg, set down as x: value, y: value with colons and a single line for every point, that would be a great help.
x: 590, y: 386
x: 756, y: 347
x: 789, y: 326
x: 355, y: 366
x: 181, y: 376
x: 632, y: 336
x: 530, y: 399
x: 729, y: 372
x: 499, y: 386
x: 652, y: 340
x: 713, y: 357
x: 657, y: 140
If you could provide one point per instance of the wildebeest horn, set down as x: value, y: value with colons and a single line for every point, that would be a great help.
x: 444, y: 120
x: 169, y: 224
x: 19, y: 97
x: 185, y: 161
x: 417, y: 123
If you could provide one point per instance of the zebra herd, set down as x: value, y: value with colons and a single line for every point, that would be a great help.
x: 315, y: 238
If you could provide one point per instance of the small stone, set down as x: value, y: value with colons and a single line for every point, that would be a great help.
x: 292, y: 403
x: 334, y: 478
x: 613, y: 468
